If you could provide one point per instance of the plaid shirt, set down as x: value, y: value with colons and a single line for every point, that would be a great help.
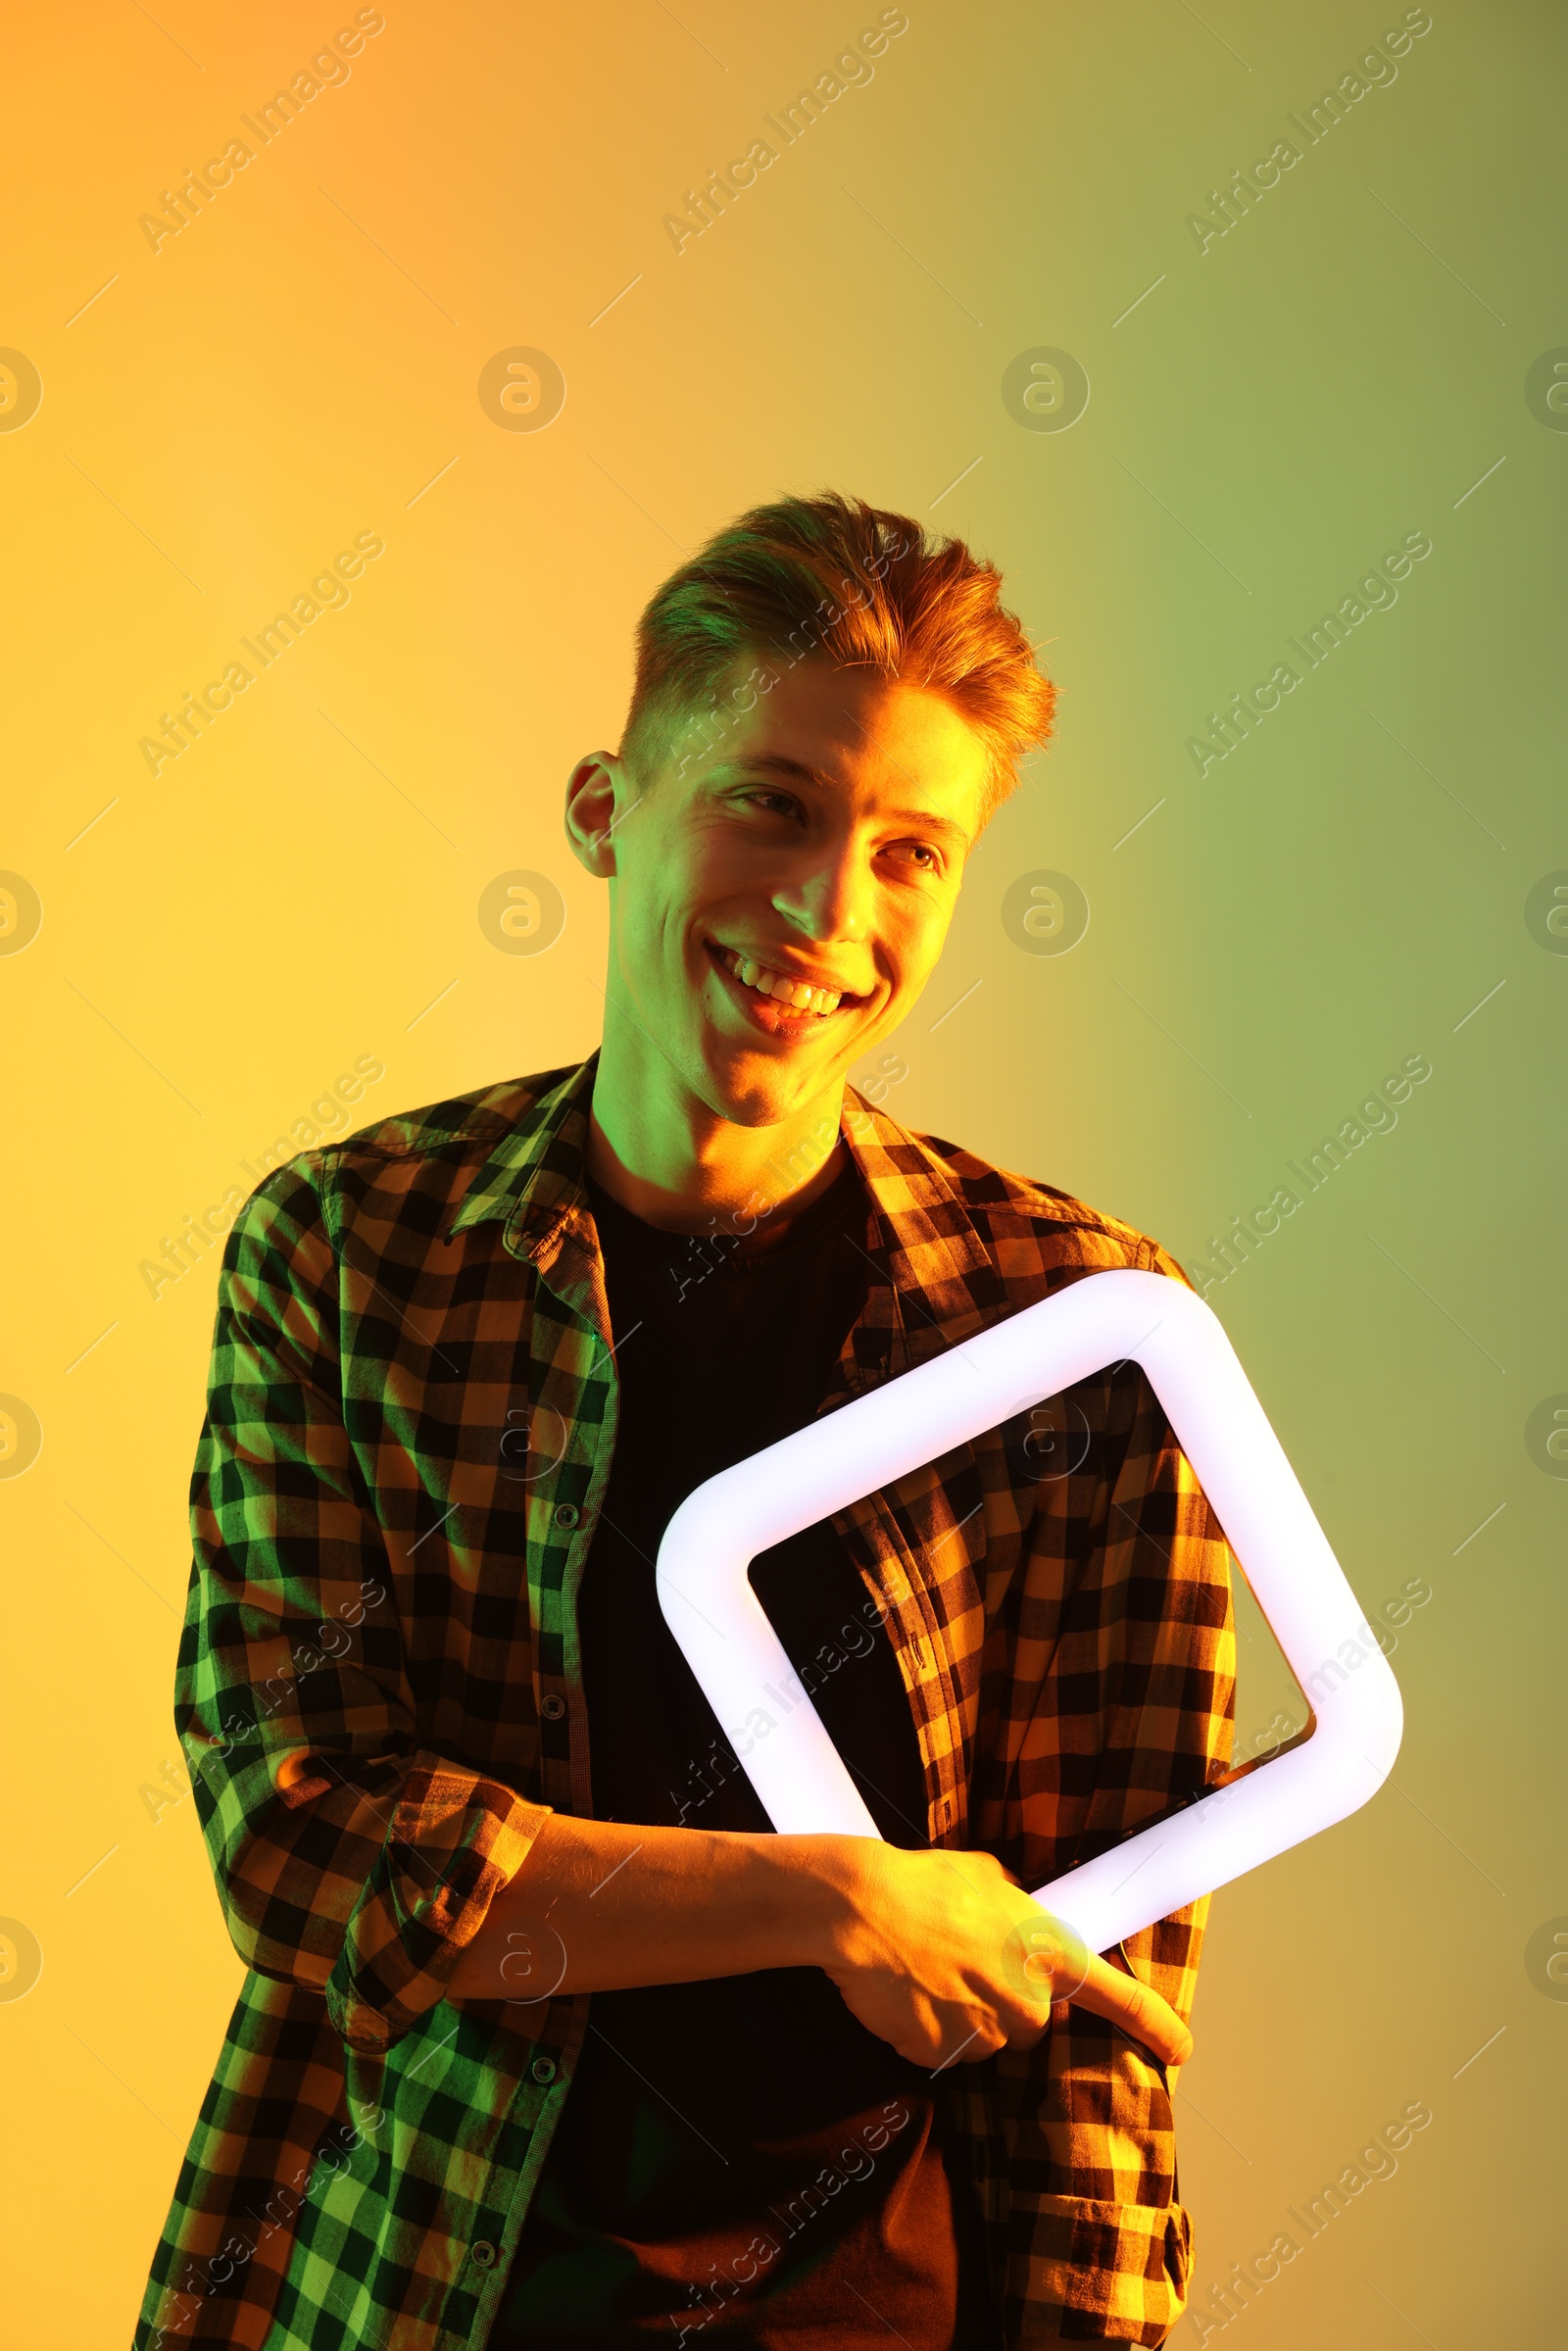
x: 409, y: 1433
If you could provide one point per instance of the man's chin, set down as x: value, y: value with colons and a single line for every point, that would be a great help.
x: 764, y: 1089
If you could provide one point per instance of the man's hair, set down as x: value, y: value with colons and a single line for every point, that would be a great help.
x: 852, y: 584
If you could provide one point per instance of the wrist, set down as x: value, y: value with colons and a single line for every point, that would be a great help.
x: 830, y: 1880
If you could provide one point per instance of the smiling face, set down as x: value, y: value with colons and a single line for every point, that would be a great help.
x: 778, y: 902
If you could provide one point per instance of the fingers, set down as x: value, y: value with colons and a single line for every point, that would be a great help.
x: 1046, y: 1959
x: 1056, y: 1960
x: 1140, y: 2011
x: 946, y: 1951
x: 970, y: 2044
x: 1135, y: 2008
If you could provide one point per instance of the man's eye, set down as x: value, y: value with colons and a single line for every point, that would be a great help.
x: 928, y: 859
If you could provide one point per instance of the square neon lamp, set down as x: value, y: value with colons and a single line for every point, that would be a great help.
x: 1102, y: 1318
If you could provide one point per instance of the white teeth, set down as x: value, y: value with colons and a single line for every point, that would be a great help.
x: 779, y: 986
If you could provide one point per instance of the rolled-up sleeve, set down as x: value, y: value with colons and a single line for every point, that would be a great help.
x: 1133, y: 1718
x: 348, y: 1857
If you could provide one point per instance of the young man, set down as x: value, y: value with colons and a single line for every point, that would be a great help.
x: 547, y: 2038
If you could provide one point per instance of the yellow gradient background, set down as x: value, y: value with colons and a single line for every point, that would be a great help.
x: 1268, y: 416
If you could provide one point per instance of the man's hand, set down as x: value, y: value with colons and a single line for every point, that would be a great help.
x: 945, y: 1956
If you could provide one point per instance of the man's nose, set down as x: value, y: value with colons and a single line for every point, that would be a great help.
x: 832, y: 901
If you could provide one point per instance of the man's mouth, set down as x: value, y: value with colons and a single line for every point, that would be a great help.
x: 790, y: 994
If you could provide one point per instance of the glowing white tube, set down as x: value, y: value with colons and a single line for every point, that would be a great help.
x: 709, y: 1603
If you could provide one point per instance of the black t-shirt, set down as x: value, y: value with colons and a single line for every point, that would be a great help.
x: 739, y: 2161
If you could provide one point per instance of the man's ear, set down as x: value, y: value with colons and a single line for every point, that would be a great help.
x: 598, y: 793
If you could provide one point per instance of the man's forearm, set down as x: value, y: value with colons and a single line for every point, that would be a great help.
x: 599, y: 1905
x: 935, y: 1952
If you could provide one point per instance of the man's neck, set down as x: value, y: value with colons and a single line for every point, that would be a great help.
x: 678, y: 1164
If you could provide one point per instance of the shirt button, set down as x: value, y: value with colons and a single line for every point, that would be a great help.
x: 544, y: 2069
x: 567, y: 1514
x: 552, y: 1708
x: 484, y: 2253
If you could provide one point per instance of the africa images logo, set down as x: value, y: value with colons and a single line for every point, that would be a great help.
x: 328, y: 592
x: 329, y: 70
x: 850, y: 69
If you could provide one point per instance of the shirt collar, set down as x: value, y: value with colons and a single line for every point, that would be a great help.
x: 926, y: 1246
x: 532, y: 1181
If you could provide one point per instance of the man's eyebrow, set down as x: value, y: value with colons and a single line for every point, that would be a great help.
x: 777, y: 763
